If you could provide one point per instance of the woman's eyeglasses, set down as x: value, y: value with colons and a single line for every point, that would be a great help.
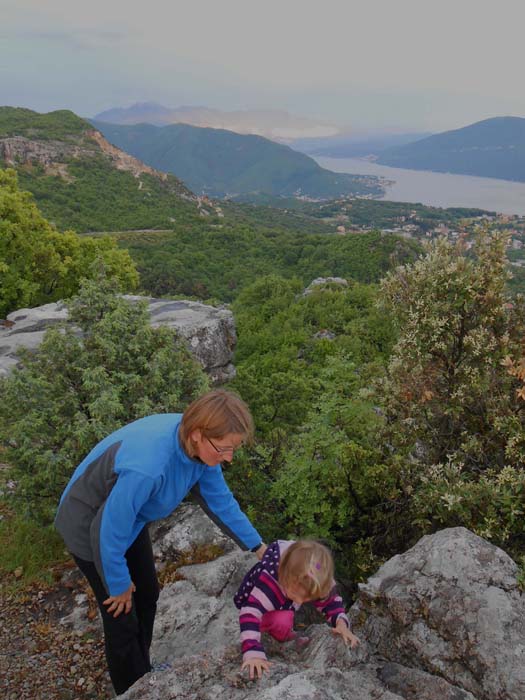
x: 221, y: 450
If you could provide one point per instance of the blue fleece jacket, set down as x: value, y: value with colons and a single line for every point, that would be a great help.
x: 138, y: 474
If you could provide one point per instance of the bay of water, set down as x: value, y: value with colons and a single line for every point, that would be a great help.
x: 437, y: 189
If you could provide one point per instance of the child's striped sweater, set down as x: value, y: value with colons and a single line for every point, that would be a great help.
x: 260, y: 593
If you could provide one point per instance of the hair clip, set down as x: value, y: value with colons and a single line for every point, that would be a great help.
x: 318, y: 566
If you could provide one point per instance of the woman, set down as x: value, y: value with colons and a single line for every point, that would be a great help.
x: 138, y: 474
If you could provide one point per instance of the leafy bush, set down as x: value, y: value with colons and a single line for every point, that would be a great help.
x: 454, y: 396
x: 304, y: 363
x: 80, y: 386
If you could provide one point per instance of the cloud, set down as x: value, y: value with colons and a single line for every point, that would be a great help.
x: 412, y: 60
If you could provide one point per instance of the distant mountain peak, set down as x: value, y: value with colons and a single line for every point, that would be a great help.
x: 275, y: 124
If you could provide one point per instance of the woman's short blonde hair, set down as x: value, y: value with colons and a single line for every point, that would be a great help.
x: 216, y: 414
x: 309, y: 564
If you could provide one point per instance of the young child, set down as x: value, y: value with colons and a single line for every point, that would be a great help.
x: 290, y: 574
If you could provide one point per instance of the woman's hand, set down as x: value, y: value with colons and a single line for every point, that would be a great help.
x: 256, y: 666
x: 342, y: 628
x: 120, y: 603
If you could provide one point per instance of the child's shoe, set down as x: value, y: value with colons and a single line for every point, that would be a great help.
x: 165, y: 666
x: 300, y: 642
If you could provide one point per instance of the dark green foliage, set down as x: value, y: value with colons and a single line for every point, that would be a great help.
x: 289, y: 218
x: 333, y: 480
x: 218, y: 263
x: 38, y: 264
x: 98, y: 197
x: 222, y: 163
x: 362, y: 212
x: 303, y: 365
x: 490, y: 148
x: 62, y: 124
x: 77, y: 389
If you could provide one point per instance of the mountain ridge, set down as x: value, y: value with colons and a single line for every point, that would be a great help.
x: 274, y: 124
x: 222, y: 163
x: 81, y: 181
x: 492, y: 147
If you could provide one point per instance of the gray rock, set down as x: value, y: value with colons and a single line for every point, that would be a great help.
x: 208, y: 331
x: 197, y: 614
x: 197, y: 632
x: 187, y: 528
x: 324, y: 282
x: 451, y: 607
x: 444, y: 621
x: 412, y: 684
x: 325, y: 334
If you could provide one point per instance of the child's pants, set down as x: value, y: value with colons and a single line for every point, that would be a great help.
x: 279, y: 624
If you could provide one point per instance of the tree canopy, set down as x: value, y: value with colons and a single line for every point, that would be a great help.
x: 38, y: 264
x: 106, y: 367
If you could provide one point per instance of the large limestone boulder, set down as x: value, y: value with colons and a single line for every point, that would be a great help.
x: 450, y: 607
x: 197, y: 633
x: 185, y: 530
x: 208, y: 331
x: 444, y: 621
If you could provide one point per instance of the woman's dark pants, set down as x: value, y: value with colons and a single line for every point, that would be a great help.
x: 128, y: 636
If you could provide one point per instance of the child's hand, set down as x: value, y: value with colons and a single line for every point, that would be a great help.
x: 256, y: 666
x: 342, y: 628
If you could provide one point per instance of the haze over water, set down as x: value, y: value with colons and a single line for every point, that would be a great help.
x: 437, y: 189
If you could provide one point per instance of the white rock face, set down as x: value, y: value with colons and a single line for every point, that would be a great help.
x: 444, y: 621
x: 451, y: 607
x: 208, y: 331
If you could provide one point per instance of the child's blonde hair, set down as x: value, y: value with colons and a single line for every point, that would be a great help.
x: 216, y: 414
x: 309, y: 564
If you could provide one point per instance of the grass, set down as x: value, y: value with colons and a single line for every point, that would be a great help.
x: 29, y: 553
x: 199, y: 554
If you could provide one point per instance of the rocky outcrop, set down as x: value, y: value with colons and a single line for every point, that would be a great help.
x: 122, y: 160
x: 444, y: 621
x: 55, y: 154
x: 324, y: 283
x: 21, y: 150
x: 208, y: 331
x: 450, y: 607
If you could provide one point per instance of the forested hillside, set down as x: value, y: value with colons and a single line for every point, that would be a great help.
x: 39, y: 264
x: 490, y: 148
x: 80, y: 181
x: 219, y: 263
x: 222, y: 163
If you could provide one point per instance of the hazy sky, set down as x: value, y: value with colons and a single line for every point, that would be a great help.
x: 406, y: 64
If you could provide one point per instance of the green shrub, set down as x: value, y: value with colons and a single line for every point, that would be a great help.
x: 78, y: 388
x: 453, y: 394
